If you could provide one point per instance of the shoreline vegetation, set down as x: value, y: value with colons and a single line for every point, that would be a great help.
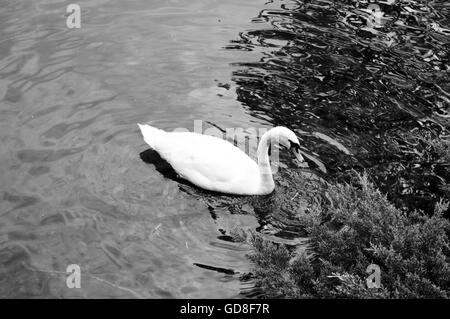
x: 350, y: 226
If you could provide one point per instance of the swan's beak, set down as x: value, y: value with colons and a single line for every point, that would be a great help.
x: 295, y: 148
x: 298, y: 156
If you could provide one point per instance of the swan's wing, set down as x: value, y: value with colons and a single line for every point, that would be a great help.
x: 210, y: 162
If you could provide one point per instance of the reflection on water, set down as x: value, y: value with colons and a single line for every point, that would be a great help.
x: 351, y: 76
x: 356, y: 77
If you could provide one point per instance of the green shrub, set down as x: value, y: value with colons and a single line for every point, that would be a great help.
x: 349, y: 228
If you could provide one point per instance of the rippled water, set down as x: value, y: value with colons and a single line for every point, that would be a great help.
x: 357, y: 77
x: 74, y: 189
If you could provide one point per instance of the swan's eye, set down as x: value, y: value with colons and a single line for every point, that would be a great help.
x: 294, y: 146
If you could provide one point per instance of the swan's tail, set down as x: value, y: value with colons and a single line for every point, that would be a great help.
x: 151, y: 134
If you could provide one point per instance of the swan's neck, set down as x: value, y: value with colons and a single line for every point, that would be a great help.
x: 265, y: 171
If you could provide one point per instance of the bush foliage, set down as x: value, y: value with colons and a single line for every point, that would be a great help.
x: 350, y: 227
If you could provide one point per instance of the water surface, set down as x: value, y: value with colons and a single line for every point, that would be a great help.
x: 352, y: 78
x: 73, y: 187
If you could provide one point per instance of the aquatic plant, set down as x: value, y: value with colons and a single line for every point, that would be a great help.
x: 350, y: 227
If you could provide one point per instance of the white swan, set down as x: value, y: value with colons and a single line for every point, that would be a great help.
x: 217, y: 165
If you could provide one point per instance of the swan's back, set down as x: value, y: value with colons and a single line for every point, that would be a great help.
x: 206, y: 161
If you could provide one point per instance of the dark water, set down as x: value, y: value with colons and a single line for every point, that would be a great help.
x: 371, y: 76
x: 74, y: 189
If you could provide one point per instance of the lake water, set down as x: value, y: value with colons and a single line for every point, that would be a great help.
x: 352, y: 80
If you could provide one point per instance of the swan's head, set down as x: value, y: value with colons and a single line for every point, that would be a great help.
x: 288, y: 139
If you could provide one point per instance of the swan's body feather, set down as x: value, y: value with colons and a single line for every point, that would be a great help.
x: 208, y: 162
